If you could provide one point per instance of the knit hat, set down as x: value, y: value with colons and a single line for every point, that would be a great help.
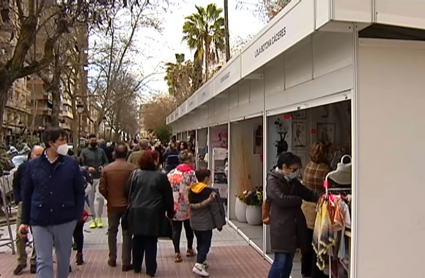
x: 342, y: 174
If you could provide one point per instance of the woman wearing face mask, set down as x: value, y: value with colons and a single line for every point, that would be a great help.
x: 288, y: 227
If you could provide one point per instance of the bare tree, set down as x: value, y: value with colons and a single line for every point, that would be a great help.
x: 29, y: 17
x: 113, y: 58
x: 123, y: 115
x: 264, y: 9
x: 72, y: 77
x: 155, y: 110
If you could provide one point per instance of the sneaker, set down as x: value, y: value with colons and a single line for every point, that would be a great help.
x: 18, y: 270
x: 79, y: 259
x: 206, y: 265
x: 190, y: 253
x: 93, y: 224
x: 33, y: 269
x: 99, y: 222
x: 200, y: 270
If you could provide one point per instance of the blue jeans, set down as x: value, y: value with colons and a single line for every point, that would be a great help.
x: 282, y: 265
x: 203, y: 245
x: 61, y: 237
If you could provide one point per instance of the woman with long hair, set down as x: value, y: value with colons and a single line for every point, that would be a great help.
x: 150, y: 198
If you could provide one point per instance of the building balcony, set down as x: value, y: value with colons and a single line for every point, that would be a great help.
x: 65, y: 125
x: 44, y: 111
x: 67, y: 114
x: 67, y: 102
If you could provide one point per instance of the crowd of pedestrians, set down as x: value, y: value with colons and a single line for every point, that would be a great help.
x: 153, y: 191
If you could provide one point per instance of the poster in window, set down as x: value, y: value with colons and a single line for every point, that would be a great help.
x: 299, y: 136
x: 326, y: 132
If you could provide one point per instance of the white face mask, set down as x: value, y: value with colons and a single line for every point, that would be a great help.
x: 62, y: 149
x: 293, y: 175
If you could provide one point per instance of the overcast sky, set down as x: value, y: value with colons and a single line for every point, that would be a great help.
x: 242, y: 23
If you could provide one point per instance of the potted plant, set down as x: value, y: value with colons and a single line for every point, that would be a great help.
x: 240, y: 207
x: 254, y: 201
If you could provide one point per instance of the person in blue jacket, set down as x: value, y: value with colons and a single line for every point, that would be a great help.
x: 52, y: 203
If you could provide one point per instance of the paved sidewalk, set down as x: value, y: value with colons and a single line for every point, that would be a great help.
x: 230, y: 256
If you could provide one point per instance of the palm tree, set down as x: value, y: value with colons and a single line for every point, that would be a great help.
x: 179, y: 77
x: 172, y: 70
x: 204, y: 31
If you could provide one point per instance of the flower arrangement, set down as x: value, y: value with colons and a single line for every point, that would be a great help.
x: 252, y: 197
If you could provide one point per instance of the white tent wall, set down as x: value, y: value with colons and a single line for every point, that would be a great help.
x: 218, y: 110
x: 319, y: 66
x: 407, y: 13
x: 389, y: 156
x: 355, y: 11
x: 247, y: 99
x: 242, y: 139
x: 201, y: 117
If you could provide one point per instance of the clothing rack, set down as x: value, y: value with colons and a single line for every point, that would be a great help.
x: 334, y: 189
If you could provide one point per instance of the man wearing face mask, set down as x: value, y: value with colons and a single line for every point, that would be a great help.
x: 52, y: 202
x: 288, y: 228
x: 94, y: 158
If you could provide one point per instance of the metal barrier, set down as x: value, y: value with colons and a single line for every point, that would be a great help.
x: 4, y: 191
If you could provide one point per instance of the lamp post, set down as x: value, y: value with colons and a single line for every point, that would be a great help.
x: 80, y: 110
x: 103, y: 125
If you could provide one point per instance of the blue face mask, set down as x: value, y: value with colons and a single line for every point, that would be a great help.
x: 293, y: 175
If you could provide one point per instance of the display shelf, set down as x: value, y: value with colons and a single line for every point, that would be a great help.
x: 219, y: 178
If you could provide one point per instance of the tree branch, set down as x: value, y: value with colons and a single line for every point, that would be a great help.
x: 20, y: 10
x: 44, y: 62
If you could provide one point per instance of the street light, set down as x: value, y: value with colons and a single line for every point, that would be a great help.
x: 103, y: 127
x: 80, y: 110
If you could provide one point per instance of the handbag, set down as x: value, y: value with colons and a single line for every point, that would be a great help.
x: 124, y: 219
x: 266, y: 212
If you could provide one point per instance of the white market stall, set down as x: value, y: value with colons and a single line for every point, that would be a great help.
x: 352, y: 72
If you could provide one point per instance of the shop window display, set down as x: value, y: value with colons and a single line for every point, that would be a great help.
x: 321, y: 137
x: 246, y: 178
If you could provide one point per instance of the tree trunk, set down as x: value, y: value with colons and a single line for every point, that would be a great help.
x: 207, y: 57
x: 6, y: 83
x: 75, y: 126
x: 226, y: 29
x: 56, y: 94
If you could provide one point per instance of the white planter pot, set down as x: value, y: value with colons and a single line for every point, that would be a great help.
x: 253, y: 215
x: 240, y: 210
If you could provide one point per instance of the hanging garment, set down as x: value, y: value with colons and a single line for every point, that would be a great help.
x: 323, y: 236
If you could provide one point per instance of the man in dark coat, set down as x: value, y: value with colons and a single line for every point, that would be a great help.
x: 20, y: 243
x: 108, y: 151
x: 52, y: 203
x: 288, y: 228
